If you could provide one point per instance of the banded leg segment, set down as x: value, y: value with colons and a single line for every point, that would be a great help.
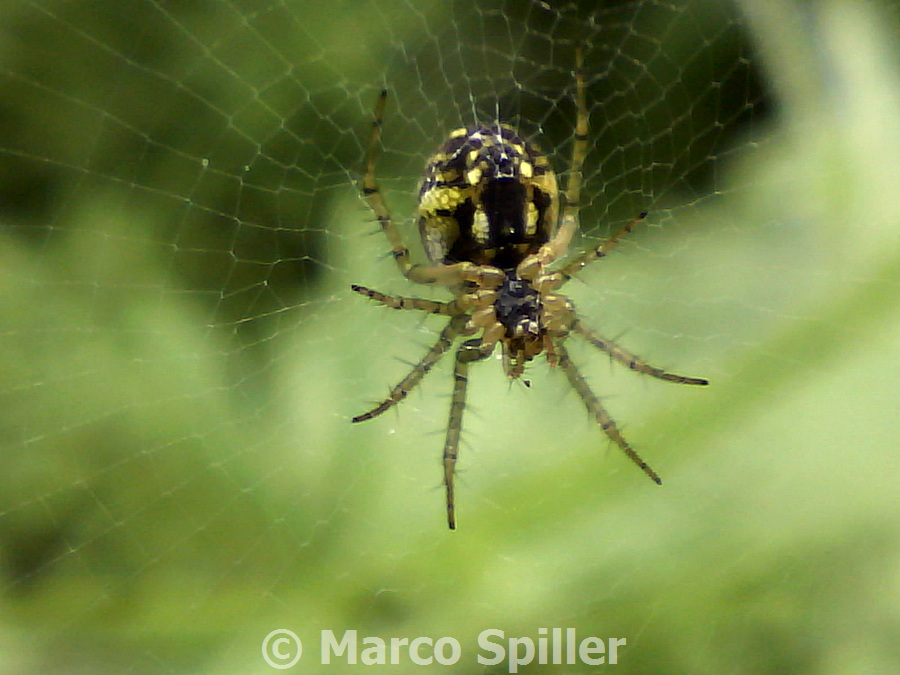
x: 372, y: 192
x: 399, y: 392
x: 575, y: 266
x: 444, y: 275
x: 469, y: 352
x: 596, y: 409
x: 579, y: 152
x: 631, y: 361
x: 479, y: 299
x: 400, y: 302
x: 533, y: 264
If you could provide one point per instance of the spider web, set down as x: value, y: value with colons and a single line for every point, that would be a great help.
x: 181, y: 352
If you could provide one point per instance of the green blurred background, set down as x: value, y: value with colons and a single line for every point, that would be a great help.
x: 181, y: 353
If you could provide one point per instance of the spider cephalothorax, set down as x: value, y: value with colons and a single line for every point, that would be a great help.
x: 491, y: 228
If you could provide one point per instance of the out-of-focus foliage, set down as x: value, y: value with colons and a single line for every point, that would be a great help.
x: 180, y: 354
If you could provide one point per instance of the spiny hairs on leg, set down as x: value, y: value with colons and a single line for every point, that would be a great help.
x: 399, y: 392
x: 631, y: 361
x: 400, y: 302
x: 469, y: 352
x: 596, y: 409
x: 575, y: 266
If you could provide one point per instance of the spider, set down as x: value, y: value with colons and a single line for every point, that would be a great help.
x: 490, y: 223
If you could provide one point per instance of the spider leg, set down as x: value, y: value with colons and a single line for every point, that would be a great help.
x: 400, y: 302
x: 579, y: 151
x: 575, y: 266
x: 478, y: 298
x: 444, y: 275
x: 596, y: 409
x: 372, y: 193
x: 399, y: 392
x: 534, y: 264
x: 457, y: 274
x: 469, y: 352
x: 631, y: 361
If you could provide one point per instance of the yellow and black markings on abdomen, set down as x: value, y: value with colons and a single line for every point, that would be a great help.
x: 488, y: 197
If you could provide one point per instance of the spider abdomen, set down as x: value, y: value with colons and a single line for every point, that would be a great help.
x: 488, y: 197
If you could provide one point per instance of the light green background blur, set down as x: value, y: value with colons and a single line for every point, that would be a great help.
x: 180, y: 354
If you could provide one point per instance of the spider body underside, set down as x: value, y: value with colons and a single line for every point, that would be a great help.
x: 489, y: 219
